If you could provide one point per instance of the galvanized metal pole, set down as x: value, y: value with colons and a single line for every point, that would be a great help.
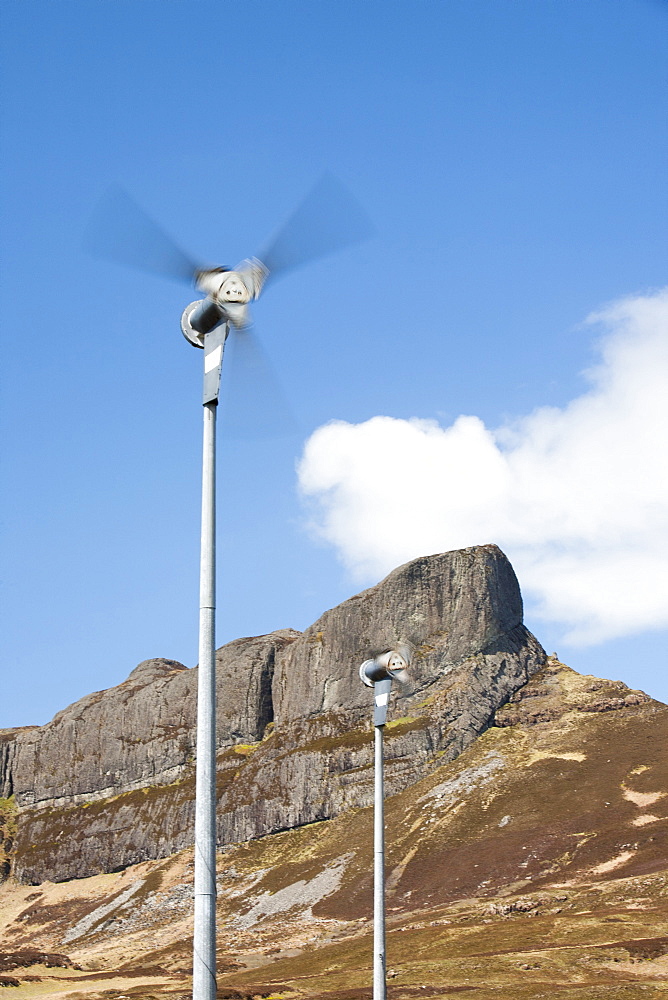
x: 204, y: 940
x: 379, y: 978
x: 378, y: 673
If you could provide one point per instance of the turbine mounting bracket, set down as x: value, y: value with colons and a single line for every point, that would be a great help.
x: 203, y: 325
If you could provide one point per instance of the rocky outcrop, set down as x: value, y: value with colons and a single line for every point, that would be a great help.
x: 450, y: 606
x: 110, y: 781
x: 143, y: 731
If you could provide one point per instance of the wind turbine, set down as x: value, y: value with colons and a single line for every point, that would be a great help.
x: 378, y: 673
x: 329, y: 219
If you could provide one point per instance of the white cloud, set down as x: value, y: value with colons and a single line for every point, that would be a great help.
x: 577, y: 497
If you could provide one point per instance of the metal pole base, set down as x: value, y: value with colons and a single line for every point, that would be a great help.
x: 379, y: 970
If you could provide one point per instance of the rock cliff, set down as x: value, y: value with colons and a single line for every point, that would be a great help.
x: 110, y: 780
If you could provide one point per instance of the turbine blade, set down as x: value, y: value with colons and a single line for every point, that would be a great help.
x: 402, y: 676
x: 121, y: 231
x: 329, y: 219
x: 252, y: 403
x: 406, y: 650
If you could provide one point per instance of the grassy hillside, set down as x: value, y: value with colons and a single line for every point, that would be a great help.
x: 535, y: 864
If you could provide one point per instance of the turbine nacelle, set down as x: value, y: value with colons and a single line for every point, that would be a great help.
x: 231, y: 290
x: 379, y: 672
x: 391, y: 665
x: 223, y: 285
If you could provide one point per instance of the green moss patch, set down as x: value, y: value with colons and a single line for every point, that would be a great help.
x: 407, y: 724
x: 244, y: 749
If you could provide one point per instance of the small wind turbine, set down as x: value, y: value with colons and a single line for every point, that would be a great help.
x: 329, y: 219
x: 378, y: 673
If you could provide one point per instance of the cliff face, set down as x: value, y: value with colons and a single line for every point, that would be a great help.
x: 141, y: 732
x: 450, y: 606
x: 110, y: 781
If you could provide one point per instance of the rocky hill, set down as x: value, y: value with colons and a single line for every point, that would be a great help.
x: 109, y: 781
x: 527, y: 816
x: 533, y: 865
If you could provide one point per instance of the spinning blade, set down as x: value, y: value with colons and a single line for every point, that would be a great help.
x: 121, y: 231
x: 329, y: 219
x: 253, y: 405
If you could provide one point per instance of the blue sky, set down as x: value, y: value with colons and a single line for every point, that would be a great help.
x: 511, y: 154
